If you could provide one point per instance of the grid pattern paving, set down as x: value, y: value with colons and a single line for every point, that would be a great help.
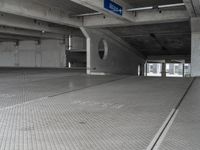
x: 121, y: 115
x: 184, y: 133
x: 22, y: 86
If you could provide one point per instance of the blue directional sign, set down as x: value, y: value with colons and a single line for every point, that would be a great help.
x: 114, y: 7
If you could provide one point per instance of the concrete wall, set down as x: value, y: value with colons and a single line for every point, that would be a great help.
x: 121, y: 57
x: 195, y: 54
x: 78, y: 44
x: 76, y: 55
x: 50, y: 53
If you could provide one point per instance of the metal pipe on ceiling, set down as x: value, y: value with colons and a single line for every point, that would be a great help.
x: 87, y: 14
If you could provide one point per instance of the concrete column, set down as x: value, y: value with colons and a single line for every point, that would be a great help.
x: 38, y: 55
x: 163, y: 72
x: 195, y: 54
x: 145, y: 69
x: 17, y: 54
x: 62, y: 57
x: 88, y: 50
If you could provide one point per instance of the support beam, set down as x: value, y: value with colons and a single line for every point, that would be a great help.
x: 35, y: 10
x: 196, y: 5
x: 16, y: 37
x: 142, y: 17
x: 169, y: 58
x: 7, y: 40
x: 30, y: 33
x: 163, y: 72
x: 98, y: 5
x: 190, y: 7
x: 129, y: 18
x: 193, y: 7
x: 31, y: 24
x: 183, y: 64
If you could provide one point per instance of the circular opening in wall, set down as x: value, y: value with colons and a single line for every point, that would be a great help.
x: 103, y: 49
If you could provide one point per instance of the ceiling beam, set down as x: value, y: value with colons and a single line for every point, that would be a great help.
x: 7, y: 40
x: 139, y: 18
x: 30, y: 33
x: 159, y: 34
x: 162, y: 46
x: 192, y: 10
x: 31, y: 9
x: 170, y: 57
x: 196, y: 5
x: 16, y: 38
x: 31, y: 24
x: 108, y: 18
x: 98, y: 5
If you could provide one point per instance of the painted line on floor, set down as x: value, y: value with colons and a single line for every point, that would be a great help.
x: 24, y: 103
x: 106, y: 82
x: 162, y: 132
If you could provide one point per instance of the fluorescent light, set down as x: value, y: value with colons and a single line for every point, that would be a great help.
x: 160, y: 6
x: 171, y: 5
x: 141, y: 8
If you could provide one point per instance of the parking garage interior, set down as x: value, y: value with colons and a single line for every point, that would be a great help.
x: 99, y: 74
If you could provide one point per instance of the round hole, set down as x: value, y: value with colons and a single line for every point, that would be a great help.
x: 103, y: 49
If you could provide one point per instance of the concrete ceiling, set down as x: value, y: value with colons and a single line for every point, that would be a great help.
x: 65, y: 5
x: 17, y: 28
x: 158, y: 39
x: 19, y: 34
x: 146, y: 3
x: 23, y: 26
x: 153, y: 39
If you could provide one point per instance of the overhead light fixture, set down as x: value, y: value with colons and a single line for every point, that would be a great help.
x: 139, y: 9
x: 152, y: 7
x: 43, y: 32
x: 172, y: 5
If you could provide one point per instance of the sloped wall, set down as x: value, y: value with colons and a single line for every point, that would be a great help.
x: 121, y: 57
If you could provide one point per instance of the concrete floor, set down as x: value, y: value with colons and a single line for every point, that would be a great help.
x: 60, y: 110
x: 184, y: 134
x: 21, y: 85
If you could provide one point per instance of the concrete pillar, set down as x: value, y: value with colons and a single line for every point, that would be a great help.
x: 140, y: 70
x: 183, y: 70
x: 163, y: 72
x: 145, y: 69
x: 16, y: 54
x: 88, y: 50
x: 195, y: 54
x: 38, y: 55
